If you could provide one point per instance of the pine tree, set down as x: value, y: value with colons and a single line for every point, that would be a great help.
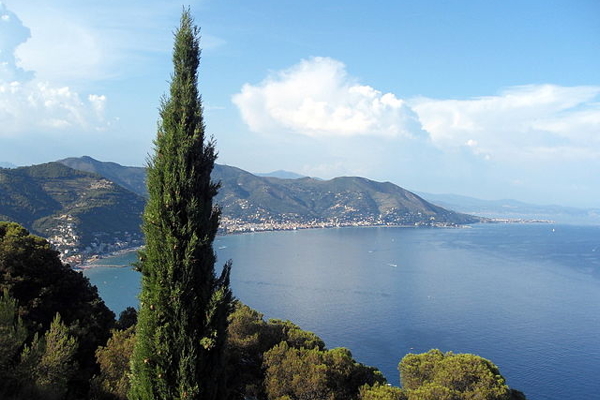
x: 183, y: 304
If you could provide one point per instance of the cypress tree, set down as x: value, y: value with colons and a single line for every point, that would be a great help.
x: 184, y: 306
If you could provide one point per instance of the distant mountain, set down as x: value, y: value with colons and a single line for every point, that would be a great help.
x: 4, y: 164
x: 281, y: 174
x: 513, y: 209
x: 74, y: 209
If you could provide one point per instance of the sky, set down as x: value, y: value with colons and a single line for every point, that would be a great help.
x: 489, y: 99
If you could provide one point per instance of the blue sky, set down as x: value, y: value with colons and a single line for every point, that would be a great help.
x: 486, y: 99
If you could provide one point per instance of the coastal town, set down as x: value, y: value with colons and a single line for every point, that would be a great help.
x: 77, y: 249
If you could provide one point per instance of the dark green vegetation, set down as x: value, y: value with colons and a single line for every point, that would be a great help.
x: 182, y: 322
x: 74, y: 209
x: 53, y: 311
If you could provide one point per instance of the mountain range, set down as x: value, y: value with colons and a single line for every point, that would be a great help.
x: 513, y: 209
x: 85, y: 206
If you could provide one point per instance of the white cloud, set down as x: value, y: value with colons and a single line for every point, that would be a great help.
x: 522, y: 121
x: 32, y: 106
x: 318, y: 98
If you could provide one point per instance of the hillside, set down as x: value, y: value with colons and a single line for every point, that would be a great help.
x: 247, y: 199
x: 79, y: 212
x: 251, y: 202
x: 87, y: 207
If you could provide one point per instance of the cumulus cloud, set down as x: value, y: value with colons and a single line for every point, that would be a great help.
x: 28, y: 105
x: 318, y: 98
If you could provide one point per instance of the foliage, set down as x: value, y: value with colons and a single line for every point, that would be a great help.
x: 12, y: 338
x: 182, y: 321
x: 49, y: 364
x: 113, y: 380
x: 302, y: 373
x: 381, y: 392
x: 127, y: 318
x: 437, y: 375
x: 249, y: 337
x: 40, y: 370
x: 33, y: 275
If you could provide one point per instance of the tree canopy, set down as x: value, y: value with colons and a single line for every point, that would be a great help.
x: 32, y: 274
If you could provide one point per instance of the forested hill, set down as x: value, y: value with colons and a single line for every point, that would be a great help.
x: 74, y: 209
x: 84, y: 205
x: 254, y: 202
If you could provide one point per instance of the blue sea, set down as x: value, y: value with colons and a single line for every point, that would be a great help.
x: 525, y: 296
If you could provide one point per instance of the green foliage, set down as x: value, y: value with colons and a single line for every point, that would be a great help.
x: 315, y: 374
x: 43, y: 369
x: 32, y: 273
x: 381, y: 392
x: 12, y: 331
x: 127, y: 318
x: 50, y: 363
x: 182, y: 321
x: 12, y: 338
x: 437, y: 375
x: 113, y: 381
x: 249, y: 337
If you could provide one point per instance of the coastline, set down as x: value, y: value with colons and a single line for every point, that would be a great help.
x: 91, y: 262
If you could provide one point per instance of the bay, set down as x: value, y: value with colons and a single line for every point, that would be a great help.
x: 524, y: 296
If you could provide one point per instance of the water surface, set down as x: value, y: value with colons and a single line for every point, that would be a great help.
x: 524, y: 296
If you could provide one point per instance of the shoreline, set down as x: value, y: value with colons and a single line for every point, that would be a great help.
x: 90, y: 263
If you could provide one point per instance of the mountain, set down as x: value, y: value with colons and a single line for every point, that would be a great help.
x: 86, y: 207
x: 131, y: 178
x: 254, y: 202
x: 7, y: 165
x: 514, y: 209
x: 281, y: 174
x: 78, y: 211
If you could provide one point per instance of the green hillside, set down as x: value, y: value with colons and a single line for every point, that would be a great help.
x: 251, y: 201
x: 78, y: 211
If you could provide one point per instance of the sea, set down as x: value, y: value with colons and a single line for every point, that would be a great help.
x: 525, y: 296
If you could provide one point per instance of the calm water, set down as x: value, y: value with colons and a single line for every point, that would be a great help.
x: 524, y: 296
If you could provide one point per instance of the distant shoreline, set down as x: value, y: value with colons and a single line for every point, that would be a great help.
x: 90, y: 263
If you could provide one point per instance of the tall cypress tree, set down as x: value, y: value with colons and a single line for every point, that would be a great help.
x: 184, y: 305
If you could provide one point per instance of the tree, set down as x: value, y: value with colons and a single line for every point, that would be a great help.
x: 48, y: 364
x: 127, y: 318
x: 298, y: 374
x: 113, y: 381
x: 249, y: 338
x: 381, y: 392
x: 182, y: 321
x: 437, y: 375
x: 12, y: 337
x: 31, y: 272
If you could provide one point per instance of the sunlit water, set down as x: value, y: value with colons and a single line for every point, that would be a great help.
x: 524, y: 296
